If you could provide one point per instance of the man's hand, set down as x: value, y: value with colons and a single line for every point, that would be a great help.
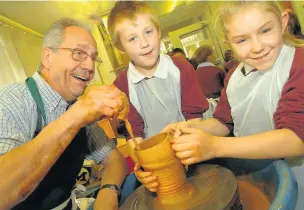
x: 97, y: 102
x: 107, y: 199
x: 192, y: 145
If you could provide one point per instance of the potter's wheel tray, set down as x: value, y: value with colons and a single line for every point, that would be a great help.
x: 215, y: 188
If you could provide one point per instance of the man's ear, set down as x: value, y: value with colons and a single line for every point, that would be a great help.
x: 46, y: 57
x: 284, y: 19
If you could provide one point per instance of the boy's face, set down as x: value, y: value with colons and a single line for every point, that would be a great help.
x: 140, y: 41
x: 256, y: 37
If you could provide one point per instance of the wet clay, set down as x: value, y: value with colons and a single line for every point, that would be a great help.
x: 210, y: 187
x: 251, y: 197
x: 129, y: 129
x: 123, y: 115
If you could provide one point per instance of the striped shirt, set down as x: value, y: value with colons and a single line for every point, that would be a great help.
x: 19, y: 119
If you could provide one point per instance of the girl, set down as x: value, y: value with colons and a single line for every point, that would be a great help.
x: 263, y: 99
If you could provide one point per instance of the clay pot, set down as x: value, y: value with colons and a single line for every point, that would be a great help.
x: 156, y: 155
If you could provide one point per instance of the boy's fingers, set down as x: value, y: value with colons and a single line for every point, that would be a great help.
x: 152, y: 189
x: 149, y: 180
x: 136, y: 167
x: 153, y: 185
x: 143, y: 174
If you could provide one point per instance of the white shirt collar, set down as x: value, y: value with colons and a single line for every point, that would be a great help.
x: 248, y: 68
x: 161, y: 71
x: 205, y: 64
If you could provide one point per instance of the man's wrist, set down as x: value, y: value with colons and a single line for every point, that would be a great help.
x: 111, y: 187
x: 76, y: 114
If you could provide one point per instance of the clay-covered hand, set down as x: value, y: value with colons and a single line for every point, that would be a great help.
x: 98, y: 102
x: 146, y: 178
x: 192, y: 145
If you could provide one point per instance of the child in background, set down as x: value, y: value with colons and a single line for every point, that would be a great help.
x: 161, y: 90
x: 178, y: 52
x: 210, y: 78
x: 230, y: 62
x: 263, y: 99
x: 294, y: 26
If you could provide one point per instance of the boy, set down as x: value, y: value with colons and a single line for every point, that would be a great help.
x: 161, y: 90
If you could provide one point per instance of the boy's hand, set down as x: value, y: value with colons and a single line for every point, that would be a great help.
x: 146, y: 178
x: 192, y: 145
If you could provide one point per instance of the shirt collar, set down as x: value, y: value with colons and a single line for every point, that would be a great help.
x: 247, y: 69
x: 50, y: 97
x: 205, y: 64
x: 161, y: 70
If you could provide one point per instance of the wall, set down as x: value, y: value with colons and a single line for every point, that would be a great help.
x: 106, y: 70
x: 183, y: 16
x: 29, y: 50
x: 26, y: 44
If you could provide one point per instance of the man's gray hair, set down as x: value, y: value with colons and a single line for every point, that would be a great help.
x: 55, y: 35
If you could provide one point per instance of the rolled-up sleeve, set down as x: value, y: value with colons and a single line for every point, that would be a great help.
x: 11, y: 135
x: 290, y: 111
x: 223, y: 110
x: 100, y: 146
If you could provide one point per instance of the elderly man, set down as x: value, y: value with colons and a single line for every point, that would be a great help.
x: 46, y: 133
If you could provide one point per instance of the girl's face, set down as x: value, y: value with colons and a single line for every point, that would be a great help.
x: 256, y: 36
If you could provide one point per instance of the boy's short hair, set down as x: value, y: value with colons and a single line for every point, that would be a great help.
x: 127, y: 11
x: 177, y: 50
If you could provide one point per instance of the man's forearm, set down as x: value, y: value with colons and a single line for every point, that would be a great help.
x: 115, y: 169
x: 28, y: 164
x: 114, y: 173
x: 212, y: 126
x: 281, y: 143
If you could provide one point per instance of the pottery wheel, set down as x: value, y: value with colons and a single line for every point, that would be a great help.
x: 215, y: 189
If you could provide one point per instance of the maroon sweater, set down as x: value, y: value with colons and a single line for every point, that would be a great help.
x: 230, y: 65
x: 290, y: 111
x: 193, y: 101
x: 211, y: 80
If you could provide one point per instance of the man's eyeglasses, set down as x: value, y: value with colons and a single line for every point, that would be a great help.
x: 79, y: 55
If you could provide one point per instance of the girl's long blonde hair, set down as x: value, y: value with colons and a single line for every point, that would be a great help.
x: 228, y: 9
